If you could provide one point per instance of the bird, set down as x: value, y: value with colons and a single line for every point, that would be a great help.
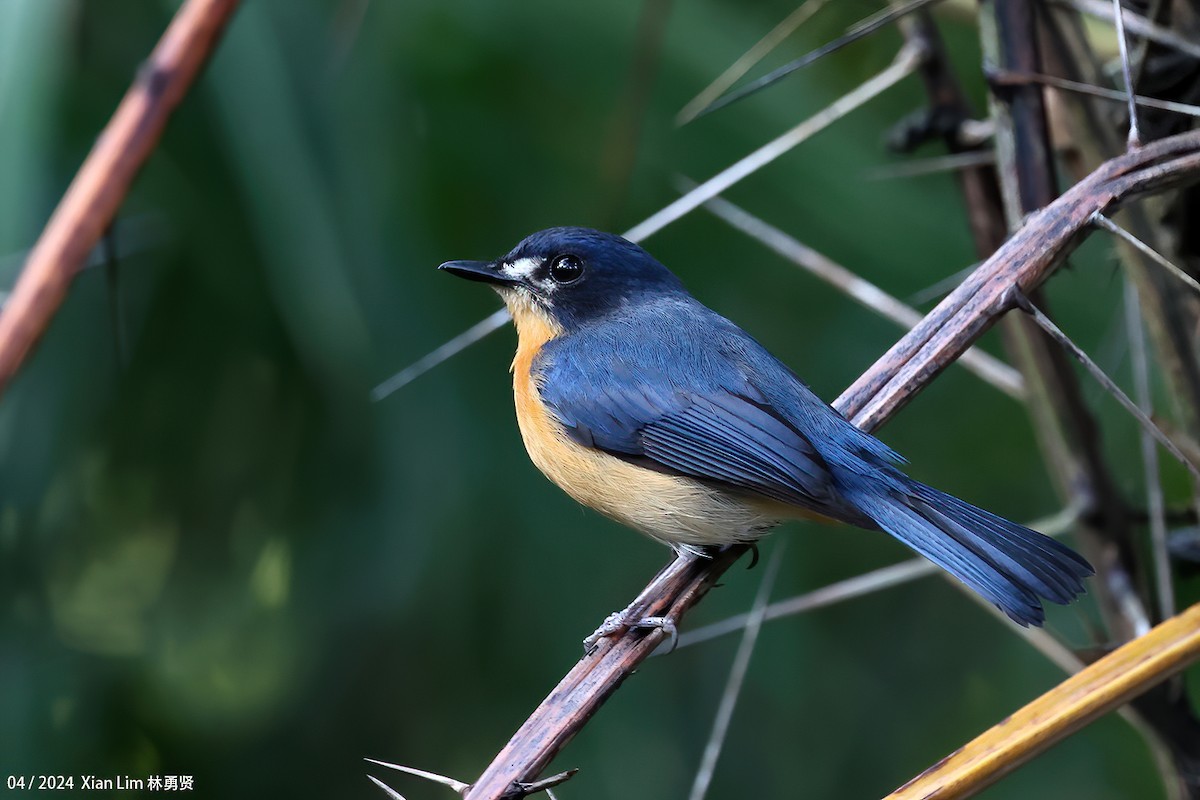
x: 644, y: 404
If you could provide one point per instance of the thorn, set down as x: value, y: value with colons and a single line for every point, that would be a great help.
x: 856, y: 32
x: 389, y: 791
x: 457, y: 786
x: 453, y: 347
x: 545, y: 784
x: 748, y: 59
x: 1055, y: 333
x: 1107, y: 224
x: 1134, y: 140
x: 1015, y: 298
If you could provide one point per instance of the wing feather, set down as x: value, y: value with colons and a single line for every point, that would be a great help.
x: 712, y: 433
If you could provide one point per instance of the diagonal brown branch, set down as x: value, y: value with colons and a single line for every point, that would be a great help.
x: 1025, y: 261
x: 92, y: 200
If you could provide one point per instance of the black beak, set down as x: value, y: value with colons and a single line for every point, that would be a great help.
x: 485, y: 271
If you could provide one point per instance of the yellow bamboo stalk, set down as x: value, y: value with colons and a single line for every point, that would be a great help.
x: 1110, y: 682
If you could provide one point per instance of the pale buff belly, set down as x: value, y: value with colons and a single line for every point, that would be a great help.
x: 675, y: 510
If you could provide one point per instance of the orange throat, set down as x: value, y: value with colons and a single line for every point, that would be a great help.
x: 534, y: 328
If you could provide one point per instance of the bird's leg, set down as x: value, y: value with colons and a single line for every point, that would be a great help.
x: 632, y: 616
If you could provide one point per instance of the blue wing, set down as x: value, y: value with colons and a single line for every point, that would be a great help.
x: 685, y: 404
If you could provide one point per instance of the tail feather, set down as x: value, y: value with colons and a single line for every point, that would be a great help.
x: 1005, y: 563
x: 1058, y: 568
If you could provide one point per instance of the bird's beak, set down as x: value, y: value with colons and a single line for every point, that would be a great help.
x: 485, y: 271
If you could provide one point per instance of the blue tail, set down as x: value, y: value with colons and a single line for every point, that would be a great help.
x: 1005, y: 563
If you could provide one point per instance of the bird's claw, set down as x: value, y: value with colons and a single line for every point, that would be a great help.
x: 613, y: 623
x: 618, y: 621
x: 666, y: 625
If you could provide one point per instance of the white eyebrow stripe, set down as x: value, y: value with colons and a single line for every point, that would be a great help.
x: 522, y: 268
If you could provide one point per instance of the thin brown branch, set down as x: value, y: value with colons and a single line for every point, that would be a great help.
x: 546, y: 784
x: 1008, y: 31
x: 578, y: 696
x: 94, y: 196
x: 1024, y: 261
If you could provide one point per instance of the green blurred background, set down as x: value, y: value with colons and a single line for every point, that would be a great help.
x: 220, y: 559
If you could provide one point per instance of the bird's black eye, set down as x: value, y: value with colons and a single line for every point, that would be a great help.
x: 566, y: 269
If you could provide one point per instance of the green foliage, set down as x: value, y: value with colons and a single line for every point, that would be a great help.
x: 218, y: 558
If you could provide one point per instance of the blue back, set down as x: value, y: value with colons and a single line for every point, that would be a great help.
x: 669, y: 380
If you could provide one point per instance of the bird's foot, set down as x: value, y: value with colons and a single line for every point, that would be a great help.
x: 634, y: 614
x: 666, y: 625
x: 624, y: 620
x: 613, y: 623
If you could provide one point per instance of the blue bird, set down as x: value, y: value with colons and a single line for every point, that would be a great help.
x: 651, y: 408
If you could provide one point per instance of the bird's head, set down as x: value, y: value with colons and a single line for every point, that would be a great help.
x: 567, y: 276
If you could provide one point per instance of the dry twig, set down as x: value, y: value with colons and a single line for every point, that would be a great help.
x: 94, y: 196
